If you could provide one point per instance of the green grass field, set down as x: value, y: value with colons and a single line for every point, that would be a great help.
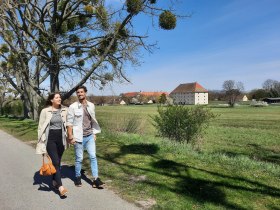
x: 251, y: 131
x: 236, y: 166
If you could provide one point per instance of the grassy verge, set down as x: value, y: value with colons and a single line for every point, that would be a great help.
x: 237, y: 167
x: 151, y: 170
x: 26, y: 130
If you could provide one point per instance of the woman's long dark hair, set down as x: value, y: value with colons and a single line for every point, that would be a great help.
x: 51, y: 97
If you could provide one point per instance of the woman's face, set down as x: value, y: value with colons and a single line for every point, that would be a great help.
x: 56, y: 100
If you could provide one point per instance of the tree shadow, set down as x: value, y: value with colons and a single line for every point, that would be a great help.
x: 260, y: 188
x: 264, y: 154
x: 44, y: 182
x: 258, y: 153
x: 202, y: 190
x: 68, y: 171
x: 143, y: 149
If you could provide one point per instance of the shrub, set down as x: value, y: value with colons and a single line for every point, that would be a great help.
x: 125, y: 124
x: 182, y: 123
x: 131, y: 125
x: 13, y: 108
x: 259, y: 103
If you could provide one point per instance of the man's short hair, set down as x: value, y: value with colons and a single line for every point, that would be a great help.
x: 81, y: 87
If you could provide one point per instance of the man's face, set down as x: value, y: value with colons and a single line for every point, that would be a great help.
x: 81, y: 94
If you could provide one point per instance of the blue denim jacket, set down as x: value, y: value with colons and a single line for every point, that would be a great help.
x: 75, y: 119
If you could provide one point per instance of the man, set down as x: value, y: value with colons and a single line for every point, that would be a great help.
x: 82, y: 128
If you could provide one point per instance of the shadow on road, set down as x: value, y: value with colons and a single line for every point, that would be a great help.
x: 44, y: 182
x: 67, y: 172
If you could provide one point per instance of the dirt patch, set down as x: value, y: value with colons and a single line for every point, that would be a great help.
x: 147, y: 204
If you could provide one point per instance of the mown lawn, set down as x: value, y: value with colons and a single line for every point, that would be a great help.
x: 237, y: 166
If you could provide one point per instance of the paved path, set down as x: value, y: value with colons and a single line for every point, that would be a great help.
x: 21, y: 187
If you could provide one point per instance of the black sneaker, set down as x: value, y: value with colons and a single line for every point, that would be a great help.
x: 97, y: 183
x: 78, y: 181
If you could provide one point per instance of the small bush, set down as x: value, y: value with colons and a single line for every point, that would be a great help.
x: 13, y: 108
x: 259, y: 103
x: 125, y: 124
x: 182, y: 123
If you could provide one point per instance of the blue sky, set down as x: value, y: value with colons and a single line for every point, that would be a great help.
x: 224, y: 39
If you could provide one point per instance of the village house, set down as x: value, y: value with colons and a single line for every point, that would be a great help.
x: 147, y: 94
x: 189, y: 93
x: 245, y: 98
x: 142, y: 97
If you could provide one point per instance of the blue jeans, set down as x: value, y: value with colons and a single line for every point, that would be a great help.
x: 88, y: 144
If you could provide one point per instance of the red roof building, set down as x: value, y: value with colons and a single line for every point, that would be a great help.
x: 189, y: 93
x: 189, y: 88
x: 147, y: 94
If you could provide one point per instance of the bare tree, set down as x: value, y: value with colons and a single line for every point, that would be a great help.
x: 272, y: 87
x: 74, y: 41
x: 268, y: 84
x: 69, y: 35
x: 232, y: 90
x: 19, y: 70
x: 20, y: 64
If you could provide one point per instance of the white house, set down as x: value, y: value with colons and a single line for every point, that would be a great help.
x: 245, y: 98
x: 122, y: 102
x: 189, y: 93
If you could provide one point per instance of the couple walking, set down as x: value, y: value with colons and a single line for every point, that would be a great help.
x: 60, y: 126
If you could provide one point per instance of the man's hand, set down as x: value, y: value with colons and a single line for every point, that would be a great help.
x: 71, y: 140
x: 94, y: 137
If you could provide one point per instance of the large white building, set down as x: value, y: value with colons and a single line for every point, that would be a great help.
x: 189, y: 93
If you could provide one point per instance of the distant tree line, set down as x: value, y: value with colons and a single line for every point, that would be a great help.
x: 234, y: 91
x: 144, y: 99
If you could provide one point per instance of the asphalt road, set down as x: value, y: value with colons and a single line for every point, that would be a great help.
x: 21, y: 186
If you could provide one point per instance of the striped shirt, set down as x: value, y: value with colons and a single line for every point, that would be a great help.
x: 56, y: 121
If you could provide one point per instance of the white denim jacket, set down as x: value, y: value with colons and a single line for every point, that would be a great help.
x: 75, y: 119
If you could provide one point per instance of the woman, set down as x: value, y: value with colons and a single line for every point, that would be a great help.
x: 52, y: 132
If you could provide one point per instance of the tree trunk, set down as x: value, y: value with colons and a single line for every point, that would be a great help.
x: 26, y: 105
x: 35, y: 105
x: 2, y: 100
x: 1, y: 108
x: 31, y: 104
x: 54, y: 81
x: 54, y: 72
x: 54, y: 67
